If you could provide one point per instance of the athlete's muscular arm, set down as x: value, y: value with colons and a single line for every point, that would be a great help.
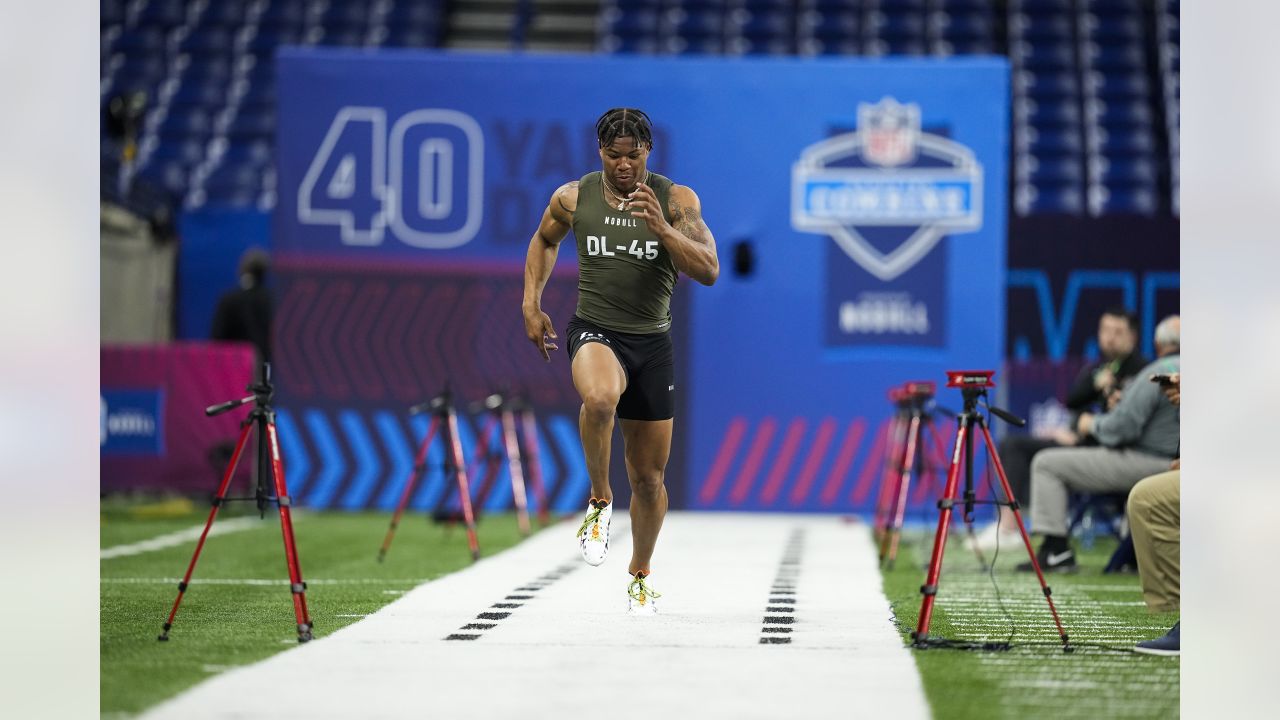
x: 557, y: 219
x: 687, y: 238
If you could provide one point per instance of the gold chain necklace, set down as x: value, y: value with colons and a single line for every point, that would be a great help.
x: 606, y: 186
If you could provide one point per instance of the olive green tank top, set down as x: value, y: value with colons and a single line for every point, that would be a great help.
x: 625, y: 276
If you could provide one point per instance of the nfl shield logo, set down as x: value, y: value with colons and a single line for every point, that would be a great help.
x: 891, y: 131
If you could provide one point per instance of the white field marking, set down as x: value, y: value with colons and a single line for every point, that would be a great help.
x: 264, y: 581
x: 180, y: 537
x: 715, y: 570
x: 355, y: 615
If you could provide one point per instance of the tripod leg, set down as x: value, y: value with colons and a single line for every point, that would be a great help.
x: 994, y: 457
x: 516, y: 470
x: 296, y: 585
x: 463, y: 489
x: 213, y: 513
x: 419, y: 466
x: 887, y: 477
x: 904, y: 487
x: 929, y: 590
x: 889, y: 489
x: 485, y: 462
x: 530, y: 432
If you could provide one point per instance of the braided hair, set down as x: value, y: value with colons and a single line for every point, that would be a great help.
x: 624, y: 122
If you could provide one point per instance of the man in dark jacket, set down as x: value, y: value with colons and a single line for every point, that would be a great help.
x: 245, y: 313
x: 1097, y: 386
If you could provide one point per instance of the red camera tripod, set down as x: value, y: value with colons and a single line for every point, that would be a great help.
x: 269, y: 465
x: 973, y: 386
x: 444, y: 420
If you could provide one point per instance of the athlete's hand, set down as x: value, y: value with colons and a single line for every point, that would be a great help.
x: 643, y: 203
x: 538, y: 328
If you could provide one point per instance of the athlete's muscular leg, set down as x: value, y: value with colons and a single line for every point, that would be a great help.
x: 648, y: 445
x: 600, y: 382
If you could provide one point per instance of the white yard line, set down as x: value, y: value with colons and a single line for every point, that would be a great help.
x: 549, y: 637
x: 262, y: 581
x: 181, y: 537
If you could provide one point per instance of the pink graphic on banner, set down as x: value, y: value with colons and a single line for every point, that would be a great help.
x: 189, y: 376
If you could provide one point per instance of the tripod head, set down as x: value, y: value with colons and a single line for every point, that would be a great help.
x: 261, y: 388
x: 973, y: 386
x: 438, y: 405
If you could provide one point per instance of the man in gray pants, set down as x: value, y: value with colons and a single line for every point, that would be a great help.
x: 1138, y: 438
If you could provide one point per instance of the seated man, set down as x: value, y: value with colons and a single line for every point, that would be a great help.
x: 1155, y: 522
x: 1096, y: 382
x: 1137, y: 438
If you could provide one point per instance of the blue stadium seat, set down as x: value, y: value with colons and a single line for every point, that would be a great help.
x: 741, y: 45
x: 171, y: 175
x: 836, y: 6
x: 1118, y: 84
x: 1041, y: 27
x: 1118, y: 141
x: 1043, y: 142
x: 881, y: 47
x: 200, y: 93
x: 895, y: 26
x: 163, y: 13
x: 699, y: 6
x: 184, y: 152
x: 954, y: 6
x: 1123, y: 57
x: 897, y: 5
x: 961, y: 46
x: 206, y: 42
x: 142, y: 42
x: 655, y: 5
x: 1123, y: 200
x: 630, y: 23
x: 629, y: 45
x: 1110, y: 7
x: 693, y: 45
x: 962, y: 25
x: 251, y: 124
x: 1120, y: 113
x: 759, y: 25
x: 419, y: 14
x: 187, y: 124
x: 765, y: 6
x: 290, y: 13
x: 1057, y: 199
x: 111, y: 12
x: 226, y: 13
x: 407, y: 36
x: 1041, y: 7
x: 811, y: 46
x: 831, y: 26
x: 1042, y: 55
x: 1123, y: 171
x: 1112, y: 29
x: 1049, y: 170
x: 1046, y: 84
x: 1048, y: 112
x: 693, y: 24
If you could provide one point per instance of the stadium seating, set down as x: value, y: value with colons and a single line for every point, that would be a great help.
x: 1095, y: 83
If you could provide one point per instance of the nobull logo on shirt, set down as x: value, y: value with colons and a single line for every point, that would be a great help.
x: 886, y: 192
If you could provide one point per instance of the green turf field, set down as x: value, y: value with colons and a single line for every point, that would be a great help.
x: 244, y: 612
x: 1035, y: 678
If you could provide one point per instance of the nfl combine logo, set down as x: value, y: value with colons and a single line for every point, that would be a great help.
x: 887, y: 174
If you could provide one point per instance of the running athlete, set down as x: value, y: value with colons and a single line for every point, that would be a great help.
x: 635, y: 230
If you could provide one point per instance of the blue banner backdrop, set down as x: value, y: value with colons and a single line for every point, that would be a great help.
x: 871, y: 194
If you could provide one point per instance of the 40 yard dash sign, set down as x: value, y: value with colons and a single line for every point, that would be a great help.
x: 421, y: 175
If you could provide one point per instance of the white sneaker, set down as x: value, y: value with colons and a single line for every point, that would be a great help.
x: 593, y: 536
x: 641, y: 597
x: 986, y: 538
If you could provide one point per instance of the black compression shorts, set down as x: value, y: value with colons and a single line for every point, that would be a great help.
x: 646, y: 361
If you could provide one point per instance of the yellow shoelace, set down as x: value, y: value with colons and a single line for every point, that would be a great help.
x: 639, y: 589
x: 592, y: 517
